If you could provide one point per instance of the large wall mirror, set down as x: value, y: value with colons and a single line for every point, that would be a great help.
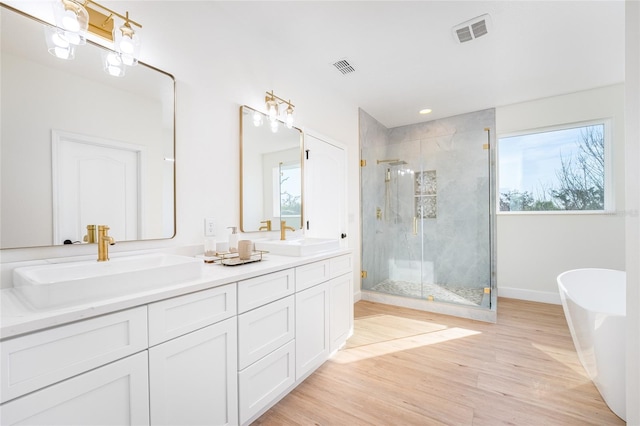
x: 80, y: 147
x: 270, y: 173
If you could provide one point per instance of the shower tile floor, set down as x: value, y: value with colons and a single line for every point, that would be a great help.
x: 460, y: 295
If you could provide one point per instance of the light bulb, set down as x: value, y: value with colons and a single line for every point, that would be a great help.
x: 73, y: 18
x: 289, y: 117
x: 70, y: 21
x: 126, y: 45
x: 274, y: 126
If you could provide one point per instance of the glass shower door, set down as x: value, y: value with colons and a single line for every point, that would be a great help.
x: 426, y: 218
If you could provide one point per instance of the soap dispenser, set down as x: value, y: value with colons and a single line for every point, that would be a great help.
x: 233, y: 239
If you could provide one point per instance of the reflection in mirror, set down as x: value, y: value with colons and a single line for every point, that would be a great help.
x: 270, y: 173
x: 80, y: 147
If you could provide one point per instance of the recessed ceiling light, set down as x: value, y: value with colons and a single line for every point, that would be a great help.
x: 425, y: 111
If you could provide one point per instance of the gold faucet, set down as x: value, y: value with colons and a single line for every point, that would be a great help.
x: 104, y: 241
x: 267, y: 227
x: 283, y: 229
x: 91, y: 234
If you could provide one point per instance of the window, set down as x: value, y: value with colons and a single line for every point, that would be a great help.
x: 556, y: 169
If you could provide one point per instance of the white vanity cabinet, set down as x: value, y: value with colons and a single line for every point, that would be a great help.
x: 89, y: 372
x: 266, y: 349
x: 193, y: 359
x: 221, y: 355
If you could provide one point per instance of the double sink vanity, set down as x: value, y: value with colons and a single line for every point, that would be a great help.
x: 165, y: 339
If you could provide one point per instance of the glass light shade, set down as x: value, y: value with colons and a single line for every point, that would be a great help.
x: 113, y: 64
x: 289, y: 117
x: 58, y: 44
x: 272, y: 110
x: 127, y: 41
x: 73, y: 18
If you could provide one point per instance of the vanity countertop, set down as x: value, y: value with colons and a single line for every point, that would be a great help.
x: 18, y: 317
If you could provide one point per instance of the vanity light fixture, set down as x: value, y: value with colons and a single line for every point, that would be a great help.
x: 273, y: 103
x: 75, y: 18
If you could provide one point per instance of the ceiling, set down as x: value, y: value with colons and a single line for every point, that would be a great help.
x: 406, y: 57
x: 404, y: 52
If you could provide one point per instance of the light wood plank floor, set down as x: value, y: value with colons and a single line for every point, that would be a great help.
x: 408, y: 367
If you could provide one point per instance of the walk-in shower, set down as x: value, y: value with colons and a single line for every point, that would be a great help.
x: 428, y: 216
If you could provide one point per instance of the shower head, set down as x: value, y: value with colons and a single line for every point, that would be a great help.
x: 394, y: 162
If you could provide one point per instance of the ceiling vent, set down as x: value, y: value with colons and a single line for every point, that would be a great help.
x: 344, y: 66
x: 472, y: 29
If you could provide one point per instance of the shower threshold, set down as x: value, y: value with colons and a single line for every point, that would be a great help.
x: 458, y: 295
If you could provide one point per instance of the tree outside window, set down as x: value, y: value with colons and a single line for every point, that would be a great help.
x: 554, y: 170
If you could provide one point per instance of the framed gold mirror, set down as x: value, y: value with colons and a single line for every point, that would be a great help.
x: 59, y: 118
x: 270, y: 173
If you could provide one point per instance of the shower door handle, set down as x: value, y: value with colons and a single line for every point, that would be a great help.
x: 415, y: 225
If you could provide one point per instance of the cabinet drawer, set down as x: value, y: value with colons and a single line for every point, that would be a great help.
x: 311, y: 274
x: 40, y: 359
x: 265, y: 329
x: 260, y: 384
x: 341, y: 265
x: 174, y: 317
x: 116, y: 394
x: 261, y: 290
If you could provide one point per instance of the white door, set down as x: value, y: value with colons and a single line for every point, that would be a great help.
x: 325, y: 188
x: 95, y: 182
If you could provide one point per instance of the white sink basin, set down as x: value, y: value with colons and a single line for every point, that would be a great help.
x: 69, y: 283
x: 298, y: 247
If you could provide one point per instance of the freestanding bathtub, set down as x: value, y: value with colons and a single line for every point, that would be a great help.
x: 594, y: 303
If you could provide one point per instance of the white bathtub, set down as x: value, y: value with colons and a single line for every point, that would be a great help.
x: 594, y: 303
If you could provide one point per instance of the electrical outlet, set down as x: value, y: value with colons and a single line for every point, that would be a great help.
x: 209, y: 227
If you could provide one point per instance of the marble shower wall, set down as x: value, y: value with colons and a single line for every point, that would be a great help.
x: 444, y: 186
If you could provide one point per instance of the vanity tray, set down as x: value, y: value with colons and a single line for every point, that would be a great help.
x: 233, y: 259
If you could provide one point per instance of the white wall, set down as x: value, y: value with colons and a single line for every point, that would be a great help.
x: 532, y: 249
x: 632, y: 154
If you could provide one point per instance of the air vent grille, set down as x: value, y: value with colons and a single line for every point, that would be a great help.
x: 479, y: 28
x: 472, y: 29
x: 344, y: 66
x: 464, y: 34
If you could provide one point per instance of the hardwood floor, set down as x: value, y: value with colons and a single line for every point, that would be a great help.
x: 408, y: 367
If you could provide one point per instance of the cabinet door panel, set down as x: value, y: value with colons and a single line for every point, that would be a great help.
x: 265, y: 329
x: 341, y: 318
x: 193, y: 378
x: 312, y: 328
x: 116, y: 394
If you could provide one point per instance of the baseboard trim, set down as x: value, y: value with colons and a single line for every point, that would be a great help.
x: 530, y: 295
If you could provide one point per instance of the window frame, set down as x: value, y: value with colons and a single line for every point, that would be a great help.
x: 609, y: 194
